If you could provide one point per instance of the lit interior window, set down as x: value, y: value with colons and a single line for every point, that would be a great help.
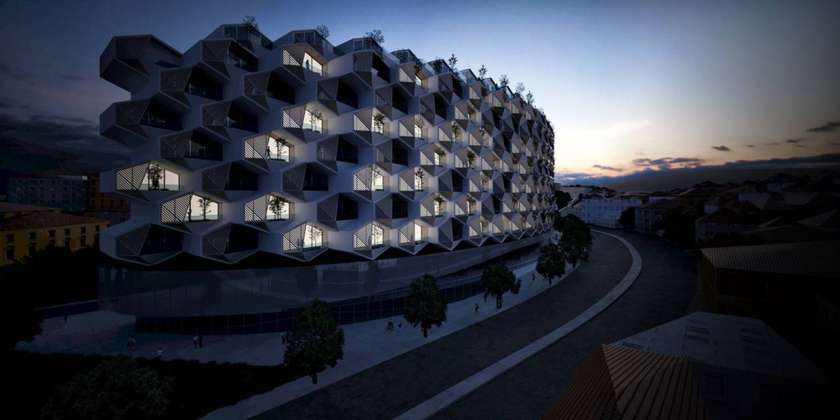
x: 313, y: 237
x: 311, y: 64
x: 202, y: 209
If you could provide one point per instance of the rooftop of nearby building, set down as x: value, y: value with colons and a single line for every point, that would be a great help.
x: 728, y: 342
x: 804, y: 259
x: 6, y: 207
x: 45, y: 219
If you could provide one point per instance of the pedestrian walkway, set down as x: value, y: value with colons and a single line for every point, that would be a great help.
x: 447, y: 397
x: 369, y: 344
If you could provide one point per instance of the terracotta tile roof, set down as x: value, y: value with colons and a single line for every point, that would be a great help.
x: 806, y: 259
x: 619, y: 382
x: 45, y: 220
x: 17, y: 208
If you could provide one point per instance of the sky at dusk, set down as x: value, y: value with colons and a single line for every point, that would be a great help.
x: 628, y: 86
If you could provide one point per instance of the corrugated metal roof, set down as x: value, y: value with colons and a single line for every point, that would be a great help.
x: 727, y: 342
x: 806, y: 259
x: 619, y: 382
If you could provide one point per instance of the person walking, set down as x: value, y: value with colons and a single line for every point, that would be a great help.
x: 195, y: 341
x: 476, y: 308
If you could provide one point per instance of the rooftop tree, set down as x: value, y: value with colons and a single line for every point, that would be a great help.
x: 425, y: 305
x: 323, y: 30
x: 376, y: 35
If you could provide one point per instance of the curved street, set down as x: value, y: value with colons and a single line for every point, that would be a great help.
x: 661, y: 293
x: 390, y: 388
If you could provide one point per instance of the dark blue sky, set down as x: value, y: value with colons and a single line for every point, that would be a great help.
x: 624, y: 83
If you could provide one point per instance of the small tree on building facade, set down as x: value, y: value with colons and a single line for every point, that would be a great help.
x: 323, y: 30
x: 376, y: 35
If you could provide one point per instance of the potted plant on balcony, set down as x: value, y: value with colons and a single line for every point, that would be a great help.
x: 203, y: 203
x: 155, y: 173
x: 456, y: 131
x: 470, y: 159
x: 379, y: 123
x: 418, y: 179
x: 274, y: 204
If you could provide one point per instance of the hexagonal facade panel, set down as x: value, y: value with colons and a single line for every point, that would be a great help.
x: 294, y: 147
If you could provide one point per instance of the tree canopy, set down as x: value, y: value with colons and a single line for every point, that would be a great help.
x: 496, y: 280
x: 552, y: 262
x: 575, y: 239
x: 315, y: 341
x: 117, y: 388
x: 628, y: 218
x: 562, y: 198
x: 425, y: 305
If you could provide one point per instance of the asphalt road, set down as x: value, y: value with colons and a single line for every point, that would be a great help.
x: 388, y: 389
x: 662, y: 292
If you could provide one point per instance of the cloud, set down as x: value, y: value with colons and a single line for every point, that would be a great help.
x: 794, y: 141
x: 668, y: 162
x: 825, y: 128
x: 72, y: 143
x: 72, y: 77
x: 10, y: 73
x: 648, y: 178
x: 607, y: 168
x: 721, y: 148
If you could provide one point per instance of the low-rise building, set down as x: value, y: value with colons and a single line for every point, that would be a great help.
x: 779, y: 283
x: 649, y: 216
x: 604, y: 209
x: 27, y: 230
x: 68, y: 193
x: 701, y: 366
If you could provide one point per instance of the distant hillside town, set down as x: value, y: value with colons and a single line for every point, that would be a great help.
x: 782, y: 208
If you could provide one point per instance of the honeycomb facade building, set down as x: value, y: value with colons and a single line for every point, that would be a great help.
x: 241, y: 145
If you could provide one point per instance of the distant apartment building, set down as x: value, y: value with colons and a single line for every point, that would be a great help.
x: 68, y: 193
x: 649, y: 216
x: 782, y: 284
x: 25, y: 230
x: 701, y: 366
x: 604, y: 210
x: 108, y: 206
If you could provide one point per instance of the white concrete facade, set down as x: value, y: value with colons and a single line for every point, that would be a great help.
x: 293, y: 147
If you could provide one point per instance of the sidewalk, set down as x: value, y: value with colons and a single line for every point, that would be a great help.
x: 367, y: 344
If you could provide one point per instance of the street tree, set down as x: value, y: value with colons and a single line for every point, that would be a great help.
x: 496, y: 280
x: 314, y: 342
x: 117, y: 388
x: 425, y: 305
x: 575, y: 238
x: 552, y: 262
x: 628, y: 218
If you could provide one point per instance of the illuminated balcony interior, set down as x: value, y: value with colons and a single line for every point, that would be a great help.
x: 150, y: 176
